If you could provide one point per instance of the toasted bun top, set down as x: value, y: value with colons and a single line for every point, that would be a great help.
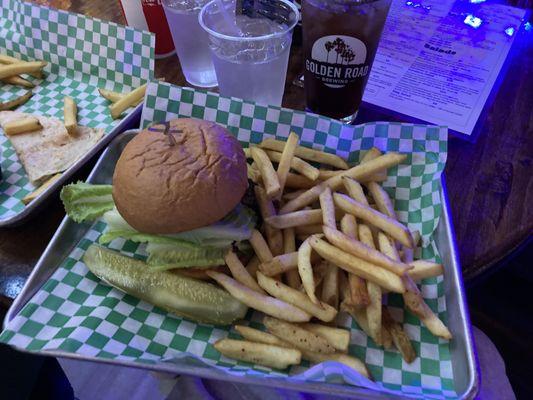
x: 188, y: 178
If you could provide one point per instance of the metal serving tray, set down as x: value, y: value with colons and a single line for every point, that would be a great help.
x: 127, y: 122
x: 463, y: 357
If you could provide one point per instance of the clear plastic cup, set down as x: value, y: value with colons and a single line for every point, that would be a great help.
x: 190, y: 41
x: 250, y: 54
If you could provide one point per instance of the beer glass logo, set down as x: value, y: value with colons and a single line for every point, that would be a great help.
x: 337, y: 60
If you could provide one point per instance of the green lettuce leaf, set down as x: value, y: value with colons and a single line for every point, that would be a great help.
x: 235, y: 227
x: 168, y: 256
x: 86, y: 202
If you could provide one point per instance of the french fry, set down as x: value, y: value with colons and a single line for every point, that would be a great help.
x: 359, y: 249
x: 113, y: 97
x: 305, y: 269
x: 4, y: 59
x: 268, y: 174
x: 279, y: 290
x: 330, y: 286
x: 307, y: 154
x: 257, y: 336
x: 69, y: 115
x: 260, y: 247
x: 373, y: 312
x: 297, y: 164
x: 413, y: 298
x: 414, y: 302
x: 259, y: 353
x: 335, y: 182
x: 324, y: 174
x: 355, y: 190
x: 399, y: 337
x: 36, y: 193
x: 378, y: 176
x: 291, y: 195
x: 18, y: 101
x: 23, y: 125
x: 253, y: 266
x: 374, y: 152
x: 253, y: 174
x: 358, y: 291
x: 297, y: 218
x: 425, y: 269
x: 373, y: 309
x: 298, y: 336
x: 18, y: 81
x: 21, y: 67
x: 357, y: 266
x: 239, y: 273
x: 407, y: 253
x: 266, y: 304
x: 295, y: 181
x: 349, y: 226
x: 289, y: 245
x: 345, y: 359
x: 274, y: 236
x: 328, y: 208
x: 382, y: 199
x: 280, y: 264
x: 358, y: 314
x: 344, y: 290
x: 283, y: 263
x: 338, y: 338
x: 366, y: 236
x: 285, y: 160
x: 128, y: 100
x: 379, y: 220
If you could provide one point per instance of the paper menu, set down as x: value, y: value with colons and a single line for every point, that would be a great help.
x: 438, y: 60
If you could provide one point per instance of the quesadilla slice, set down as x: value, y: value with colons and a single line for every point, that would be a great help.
x: 51, y: 150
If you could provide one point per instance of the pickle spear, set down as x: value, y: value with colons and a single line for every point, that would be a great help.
x: 190, y: 298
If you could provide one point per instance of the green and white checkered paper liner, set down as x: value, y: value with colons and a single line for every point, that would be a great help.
x: 83, y: 54
x: 75, y: 312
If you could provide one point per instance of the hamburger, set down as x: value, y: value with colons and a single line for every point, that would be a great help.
x: 177, y: 190
x: 179, y: 176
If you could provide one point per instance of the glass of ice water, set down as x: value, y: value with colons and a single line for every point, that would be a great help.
x: 250, y: 54
x: 191, y: 41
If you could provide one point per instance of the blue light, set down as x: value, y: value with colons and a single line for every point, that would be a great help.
x: 509, y: 31
x: 472, y: 21
x: 410, y: 3
x: 528, y: 26
x: 477, y: 1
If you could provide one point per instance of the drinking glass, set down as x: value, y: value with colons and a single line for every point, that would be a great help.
x: 250, y: 54
x: 340, y: 40
x: 190, y: 41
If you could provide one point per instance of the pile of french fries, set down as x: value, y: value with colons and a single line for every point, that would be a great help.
x: 12, y: 68
x: 352, y: 251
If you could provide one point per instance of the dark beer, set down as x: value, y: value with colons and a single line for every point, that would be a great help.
x: 340, y: 39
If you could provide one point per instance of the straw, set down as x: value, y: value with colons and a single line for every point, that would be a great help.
x: 229, y: 21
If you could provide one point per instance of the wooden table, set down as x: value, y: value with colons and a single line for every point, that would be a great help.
x: 489, y: 183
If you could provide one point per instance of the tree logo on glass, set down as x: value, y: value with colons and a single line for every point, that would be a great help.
x: 337, y: 60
